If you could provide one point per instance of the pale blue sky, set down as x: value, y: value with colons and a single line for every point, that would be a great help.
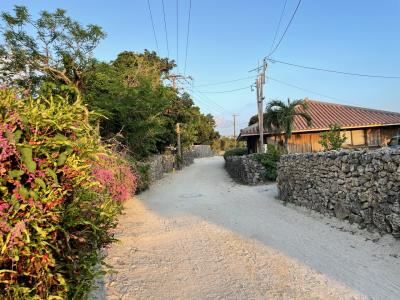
x: 227, y: 38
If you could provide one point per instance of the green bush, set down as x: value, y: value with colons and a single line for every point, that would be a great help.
x: 235, y: 152
x: 54, y: 214
x: 270, y: 161
x: 143, y: 172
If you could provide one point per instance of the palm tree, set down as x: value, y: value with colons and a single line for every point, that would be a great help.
x: 280, y: 116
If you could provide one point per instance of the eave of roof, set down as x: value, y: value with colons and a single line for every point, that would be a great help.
x: 325, y: 113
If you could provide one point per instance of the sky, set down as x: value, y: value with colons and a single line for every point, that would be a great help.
x: 228, y: 38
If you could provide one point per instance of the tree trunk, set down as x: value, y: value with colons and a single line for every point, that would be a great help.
x: 286, y: 143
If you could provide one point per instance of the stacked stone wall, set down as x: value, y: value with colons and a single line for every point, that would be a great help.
x: 361, y: 186
x: 245, y: 169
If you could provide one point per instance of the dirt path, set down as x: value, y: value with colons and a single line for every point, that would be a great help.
x: 197, y: 235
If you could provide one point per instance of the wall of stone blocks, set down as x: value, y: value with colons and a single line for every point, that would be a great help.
x: 361, y: 186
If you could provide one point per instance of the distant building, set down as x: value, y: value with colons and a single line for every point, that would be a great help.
x: 363, y: 127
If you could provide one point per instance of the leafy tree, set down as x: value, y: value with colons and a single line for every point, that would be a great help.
x: 133, y: 113
x: 51, y: 48
x: 332, y: 139
x: 254, y: 119
x: 280, y: 116
x: 143, y: 112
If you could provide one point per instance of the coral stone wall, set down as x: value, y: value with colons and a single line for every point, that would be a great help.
x: 200, y: 151
x: 362, y: 186
x: 245, y: 169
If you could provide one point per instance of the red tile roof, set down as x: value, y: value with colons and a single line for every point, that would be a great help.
x: 323, y: 114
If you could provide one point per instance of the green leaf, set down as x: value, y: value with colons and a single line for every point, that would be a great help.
x: 17, y: 135
x: 52, y: 174
x: 40, y: 182
x: 60, y: 137
x: 15, y: 173
x: 61, y: 159
x: 26, y: 152
x: 23, y: 192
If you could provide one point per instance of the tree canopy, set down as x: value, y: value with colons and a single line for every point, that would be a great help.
x: 280, y: 116
x: 52, y: 47
x: 53, y: 54
x: 139, y: 108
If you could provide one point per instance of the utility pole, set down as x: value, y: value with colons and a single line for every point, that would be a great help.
x: 260, y: 81
x: 234, y: 128
x: 178, y: 139
x: 175, y: 77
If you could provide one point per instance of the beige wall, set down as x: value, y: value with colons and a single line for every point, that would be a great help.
x: 367, y: 137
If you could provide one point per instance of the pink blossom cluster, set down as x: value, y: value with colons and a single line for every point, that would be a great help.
x: 115, y: 178
x: 7, y: 149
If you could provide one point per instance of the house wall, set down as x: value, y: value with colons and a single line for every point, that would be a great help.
x: 309, y: 142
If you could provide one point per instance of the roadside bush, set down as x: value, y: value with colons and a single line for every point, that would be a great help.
x: 235, y: 152
x: 56, y: 198
x: 270, y: 161
x: 143, y: 174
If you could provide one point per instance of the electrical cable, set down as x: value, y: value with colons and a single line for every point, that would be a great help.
x: 225, y: 82
x: 165, y: 27
x: 187, y: 36
x: 279, y: 25
x: 286, y: 29
x: 228, y: 91
x: 177, y: 35
x: 152, y: 24
x: 309, y: 91
x: 333, y: 71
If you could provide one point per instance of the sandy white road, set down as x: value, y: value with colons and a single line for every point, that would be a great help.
x: 197, y: 235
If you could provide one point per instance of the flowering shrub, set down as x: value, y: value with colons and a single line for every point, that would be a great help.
x: 115, y: 176
x: 56, y: 204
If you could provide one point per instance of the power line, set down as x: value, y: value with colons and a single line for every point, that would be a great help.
x: 309, y: 91
x: 286, y: 29
x: 208, y: 106
x: 177, y: 35
x: 229, y: 91
x: 187, y: 36
x: 333, y: 71
x: 279, y: 25
x: 211, y: 106
x: 152, y: 24
x: 165, y: 27
x: 224, y: 82
x: 212, y: 102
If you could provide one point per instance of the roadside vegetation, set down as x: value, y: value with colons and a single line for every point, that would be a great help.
x: 235, y: 152
x: 73, y: 134
x: 270, y: 161
x: 332, y: 139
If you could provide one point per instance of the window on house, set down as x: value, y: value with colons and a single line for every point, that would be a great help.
x: 374, y: 136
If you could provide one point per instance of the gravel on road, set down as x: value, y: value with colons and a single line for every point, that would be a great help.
x: 198, y: 235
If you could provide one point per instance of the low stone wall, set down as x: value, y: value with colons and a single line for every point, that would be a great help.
x: 166, y: 163
x: 361, y: 186
x: 200, y: 151
x: 245, y: 169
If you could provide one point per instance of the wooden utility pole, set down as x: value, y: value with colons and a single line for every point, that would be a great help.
x: 234, y: 126
x: 260, y: 104
x: 175, y: 77
x: 178, y: 139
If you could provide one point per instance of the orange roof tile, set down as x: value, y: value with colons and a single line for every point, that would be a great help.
x: 323, y: 114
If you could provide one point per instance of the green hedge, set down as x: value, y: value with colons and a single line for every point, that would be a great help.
x: 235, y: 152
x: 270, y: 161
x: 60, y: 194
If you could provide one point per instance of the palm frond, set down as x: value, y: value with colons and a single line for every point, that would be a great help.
x: 306, y: 117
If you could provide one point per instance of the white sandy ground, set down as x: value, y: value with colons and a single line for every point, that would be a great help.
x: 197, y: 235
